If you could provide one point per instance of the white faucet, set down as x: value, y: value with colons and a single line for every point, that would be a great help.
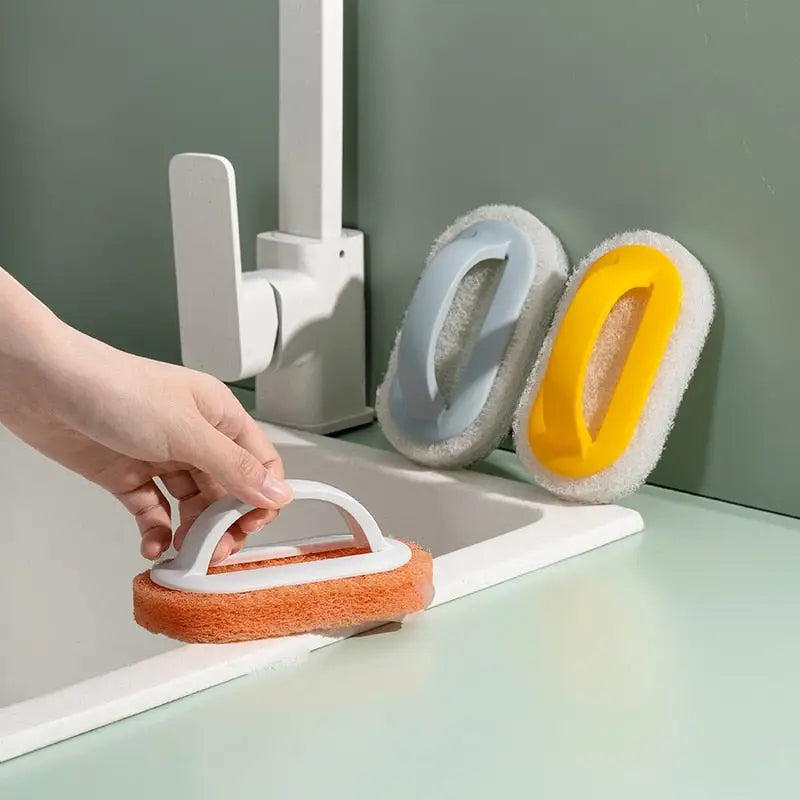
x: 297, y: 322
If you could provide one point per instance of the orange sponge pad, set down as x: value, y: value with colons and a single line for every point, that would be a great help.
x: 285, y: 610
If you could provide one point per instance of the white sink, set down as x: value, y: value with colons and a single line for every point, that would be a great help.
x: 71, y: 656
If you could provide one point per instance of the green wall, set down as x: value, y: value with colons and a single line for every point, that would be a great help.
x: 95, y: 97
x: 679, y: 116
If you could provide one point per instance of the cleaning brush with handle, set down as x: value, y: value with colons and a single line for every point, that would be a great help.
x: 294, y: 587
x: 470, y: 336
x: 624, y: 342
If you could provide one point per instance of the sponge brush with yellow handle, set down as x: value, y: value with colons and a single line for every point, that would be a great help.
x: 623, y: 345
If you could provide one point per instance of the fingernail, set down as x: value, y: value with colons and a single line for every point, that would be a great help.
x: 220, y: 554
x: 276, y: 490
x: 250, y: 525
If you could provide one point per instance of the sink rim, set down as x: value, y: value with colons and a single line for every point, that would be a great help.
x: 48, y: 718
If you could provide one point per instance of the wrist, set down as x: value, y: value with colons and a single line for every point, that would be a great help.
x: 29, y: 359
x: 32, y: 341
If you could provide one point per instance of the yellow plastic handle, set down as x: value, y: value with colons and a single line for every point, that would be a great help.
x: 557, y: 431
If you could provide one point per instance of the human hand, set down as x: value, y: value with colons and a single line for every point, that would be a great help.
x: 123, y: 421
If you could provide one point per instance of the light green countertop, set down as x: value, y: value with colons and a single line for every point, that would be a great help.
x: 663, y: 666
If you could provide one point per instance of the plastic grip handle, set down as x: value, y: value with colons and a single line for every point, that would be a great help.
x: 416, y: 400
x: 204, y: 535
x: 416, y: 368
x: 557, y: 428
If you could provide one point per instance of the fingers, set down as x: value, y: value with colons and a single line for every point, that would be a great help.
x: 190, y: 507
x: 180, y: 484
x: 235, y: 468
x: 250, y: 523
x: 247, y: 433
x: 195, y: 491
x: 231, y: 542
x: 152, y: 514
x: 229, y: 454
x: 234, y: 450
x: 255, y: 520
x: 253, y: 523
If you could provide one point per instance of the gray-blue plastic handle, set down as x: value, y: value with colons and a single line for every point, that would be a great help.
x: 416, y: 401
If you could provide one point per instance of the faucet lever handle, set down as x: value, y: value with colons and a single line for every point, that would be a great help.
x: 228, y: 319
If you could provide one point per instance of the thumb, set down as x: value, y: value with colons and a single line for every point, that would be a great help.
x: 238, y: 471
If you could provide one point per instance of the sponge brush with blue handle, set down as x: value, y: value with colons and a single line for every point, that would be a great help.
x: 471, y: 335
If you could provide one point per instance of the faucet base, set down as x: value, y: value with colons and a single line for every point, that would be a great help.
x: 316, y: 381
x: 366, y: 417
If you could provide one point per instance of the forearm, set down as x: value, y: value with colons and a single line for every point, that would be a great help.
x: 27, y: 326
x: 121, y: 421
x: 30, y: 339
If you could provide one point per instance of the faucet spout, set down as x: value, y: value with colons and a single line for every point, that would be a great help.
x: 297, y: 323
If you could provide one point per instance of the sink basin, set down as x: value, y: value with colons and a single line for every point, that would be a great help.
x: 72, y: 657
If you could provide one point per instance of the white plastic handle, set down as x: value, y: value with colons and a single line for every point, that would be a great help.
x: 204, y: 535
x: 188, y: 571
x: 228, y: 319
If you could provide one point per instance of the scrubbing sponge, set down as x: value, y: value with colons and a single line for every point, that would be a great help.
x: 303, y: 585
x: 557, y: 459
x: 455, y: 370
x: 285, y: 610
